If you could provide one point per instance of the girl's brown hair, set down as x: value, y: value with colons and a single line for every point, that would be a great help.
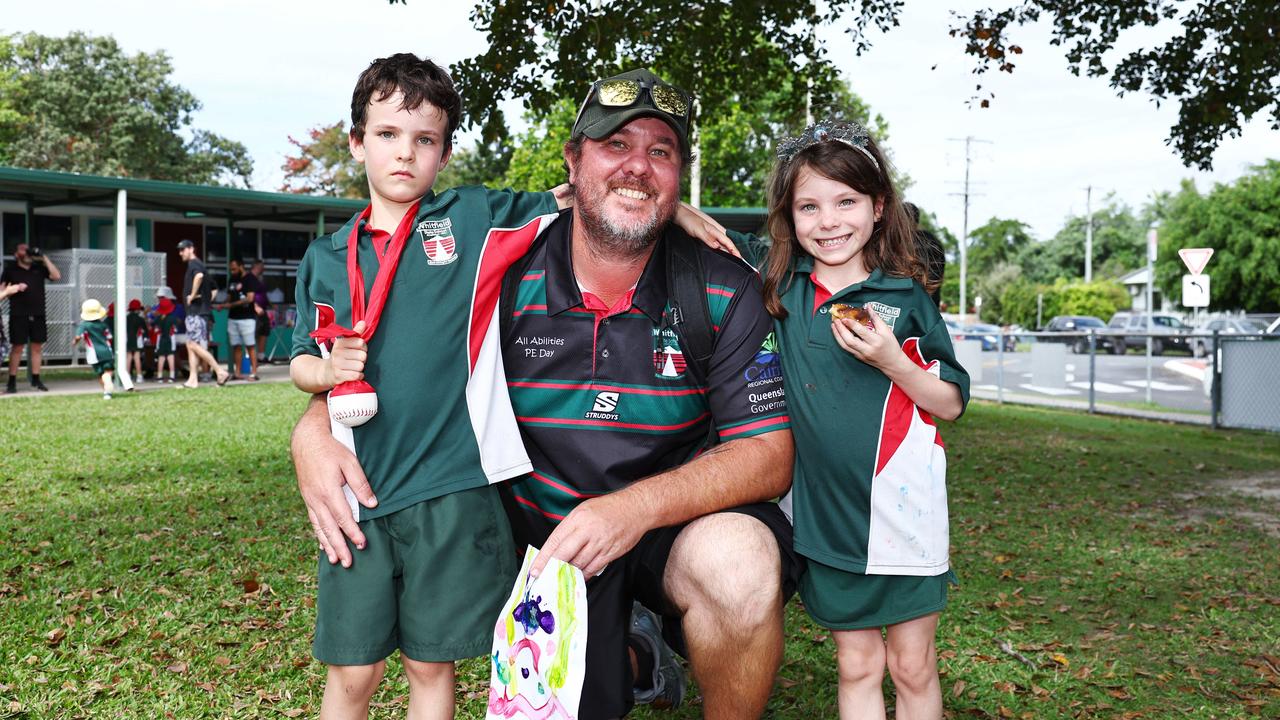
x: 891, y: 246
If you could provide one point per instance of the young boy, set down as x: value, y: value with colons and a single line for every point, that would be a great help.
x: 96, y: 336
x: 437, y: 557
x: 166, y: 333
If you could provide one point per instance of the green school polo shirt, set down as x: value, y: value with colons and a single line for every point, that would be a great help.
x: 96, y: 335
x: 444, y: 421
x: 869, y: 490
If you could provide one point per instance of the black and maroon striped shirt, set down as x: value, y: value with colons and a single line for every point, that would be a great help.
x: 603, y: 396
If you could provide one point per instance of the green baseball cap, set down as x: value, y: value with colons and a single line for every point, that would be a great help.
x: 616, y: 101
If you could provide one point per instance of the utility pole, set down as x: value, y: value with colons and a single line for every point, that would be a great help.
x: 964, y: 241
x: 1088, y: 234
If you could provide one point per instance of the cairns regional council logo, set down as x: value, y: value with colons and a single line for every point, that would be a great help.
x: 668, y: 360
x: 765, y: 367
x: 437, y: 241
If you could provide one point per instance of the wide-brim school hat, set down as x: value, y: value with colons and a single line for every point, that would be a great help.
x: 616, y: 101
x: 92, y: 310
x: 166, y: 292
x: 135, y: 304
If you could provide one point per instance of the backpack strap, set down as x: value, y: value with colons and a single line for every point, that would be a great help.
x: 689, y: 314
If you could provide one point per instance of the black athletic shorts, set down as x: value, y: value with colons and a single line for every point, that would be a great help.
x: 24, y: 329
x: 607, y: 692
x: 262, y: 326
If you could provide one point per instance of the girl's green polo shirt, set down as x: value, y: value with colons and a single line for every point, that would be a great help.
x: 869, y: 490
x: 444, y: 420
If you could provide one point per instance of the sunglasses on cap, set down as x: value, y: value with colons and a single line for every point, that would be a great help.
x: 624, y: 93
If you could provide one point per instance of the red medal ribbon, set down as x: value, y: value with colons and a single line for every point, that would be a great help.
x: 381, y: 284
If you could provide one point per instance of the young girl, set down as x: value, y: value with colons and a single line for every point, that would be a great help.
x: 166, y: 332
x: 95, y: 333
x: 869, y: 495
x: 136, y: 329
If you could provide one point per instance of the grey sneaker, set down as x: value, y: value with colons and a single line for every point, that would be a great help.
x: 668, y: 675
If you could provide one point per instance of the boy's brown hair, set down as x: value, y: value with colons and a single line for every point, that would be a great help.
x: 891, y: 246
x: 421, y: 82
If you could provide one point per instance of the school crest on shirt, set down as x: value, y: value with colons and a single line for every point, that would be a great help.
x: 668, y: 358
x: 888, y: 313
x: 437, y: 241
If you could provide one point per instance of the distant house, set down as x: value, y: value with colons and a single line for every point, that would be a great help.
x: 1136, y: 283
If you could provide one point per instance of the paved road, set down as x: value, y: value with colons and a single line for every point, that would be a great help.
x: 1118, y: 379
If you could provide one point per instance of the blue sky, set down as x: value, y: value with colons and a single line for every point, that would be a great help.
x: 268, y: 69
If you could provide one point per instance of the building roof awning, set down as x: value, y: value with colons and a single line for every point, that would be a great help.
x: 45, y: 188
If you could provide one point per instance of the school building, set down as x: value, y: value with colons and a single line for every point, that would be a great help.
x: 76, y: 220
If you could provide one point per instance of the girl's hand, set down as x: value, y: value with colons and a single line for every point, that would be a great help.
x: 876, y: 347
x: 702, y: 226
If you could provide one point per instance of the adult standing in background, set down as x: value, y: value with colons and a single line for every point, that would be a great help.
x: 196, y: 291
x: 242, y: 291
x: 30, y: 269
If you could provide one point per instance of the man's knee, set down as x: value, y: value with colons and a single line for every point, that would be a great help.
x: 727, y: 563
x: 357, y: 682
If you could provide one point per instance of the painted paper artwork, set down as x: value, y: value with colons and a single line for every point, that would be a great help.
x: 540, y: 645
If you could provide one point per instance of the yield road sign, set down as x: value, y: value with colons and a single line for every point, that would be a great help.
x: 1195, y: 258
x: 1195, y: 291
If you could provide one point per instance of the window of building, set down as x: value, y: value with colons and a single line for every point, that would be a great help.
x: 280, y: 246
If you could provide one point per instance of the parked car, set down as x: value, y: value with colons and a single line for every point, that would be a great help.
x: 1080, y: 324
x: 988, y: 334
x: 1225, y: 326
x: 1168, y: 332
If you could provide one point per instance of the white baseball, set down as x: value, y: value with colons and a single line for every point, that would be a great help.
x: 353, y: 409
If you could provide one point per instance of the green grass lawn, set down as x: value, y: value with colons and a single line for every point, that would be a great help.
x: 157, y: 562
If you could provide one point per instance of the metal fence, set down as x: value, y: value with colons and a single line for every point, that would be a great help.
x: 1208, y: 379
x: 90, y: 274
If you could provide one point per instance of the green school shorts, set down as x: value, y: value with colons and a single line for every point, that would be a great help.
x: 841, y: 600
x: 101, y: 367
x: 430, y: 581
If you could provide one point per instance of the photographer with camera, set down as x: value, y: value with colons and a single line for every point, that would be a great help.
x: 29, y: 271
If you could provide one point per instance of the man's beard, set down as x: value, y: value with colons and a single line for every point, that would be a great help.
x: 611, y: 236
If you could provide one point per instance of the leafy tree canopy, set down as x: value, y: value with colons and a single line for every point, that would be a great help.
x: 1118, y: 242
x: 1219, y: 64
x: 1241, y: 222
x: 81, y: 104
x: 323, y: 165
x: 995, y: 242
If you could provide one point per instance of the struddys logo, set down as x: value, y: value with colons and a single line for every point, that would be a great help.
x: 604, y: 406
x: 437, y: 241
x: 765, y: 367
x: 668, y: 359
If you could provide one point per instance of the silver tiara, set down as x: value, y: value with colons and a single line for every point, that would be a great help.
x: 849, y: 133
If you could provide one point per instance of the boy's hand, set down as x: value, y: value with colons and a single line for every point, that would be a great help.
x: 878, y: 348
x: 346, y: 359
x: 703, y: 227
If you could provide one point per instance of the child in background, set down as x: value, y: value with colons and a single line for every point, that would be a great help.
x: 165, y: 338
x: 94, y: 332
x: 869, y: 491
x: 135, y: 324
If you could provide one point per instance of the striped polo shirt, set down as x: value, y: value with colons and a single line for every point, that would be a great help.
x: 604, y: 396
x: 443, y: 422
